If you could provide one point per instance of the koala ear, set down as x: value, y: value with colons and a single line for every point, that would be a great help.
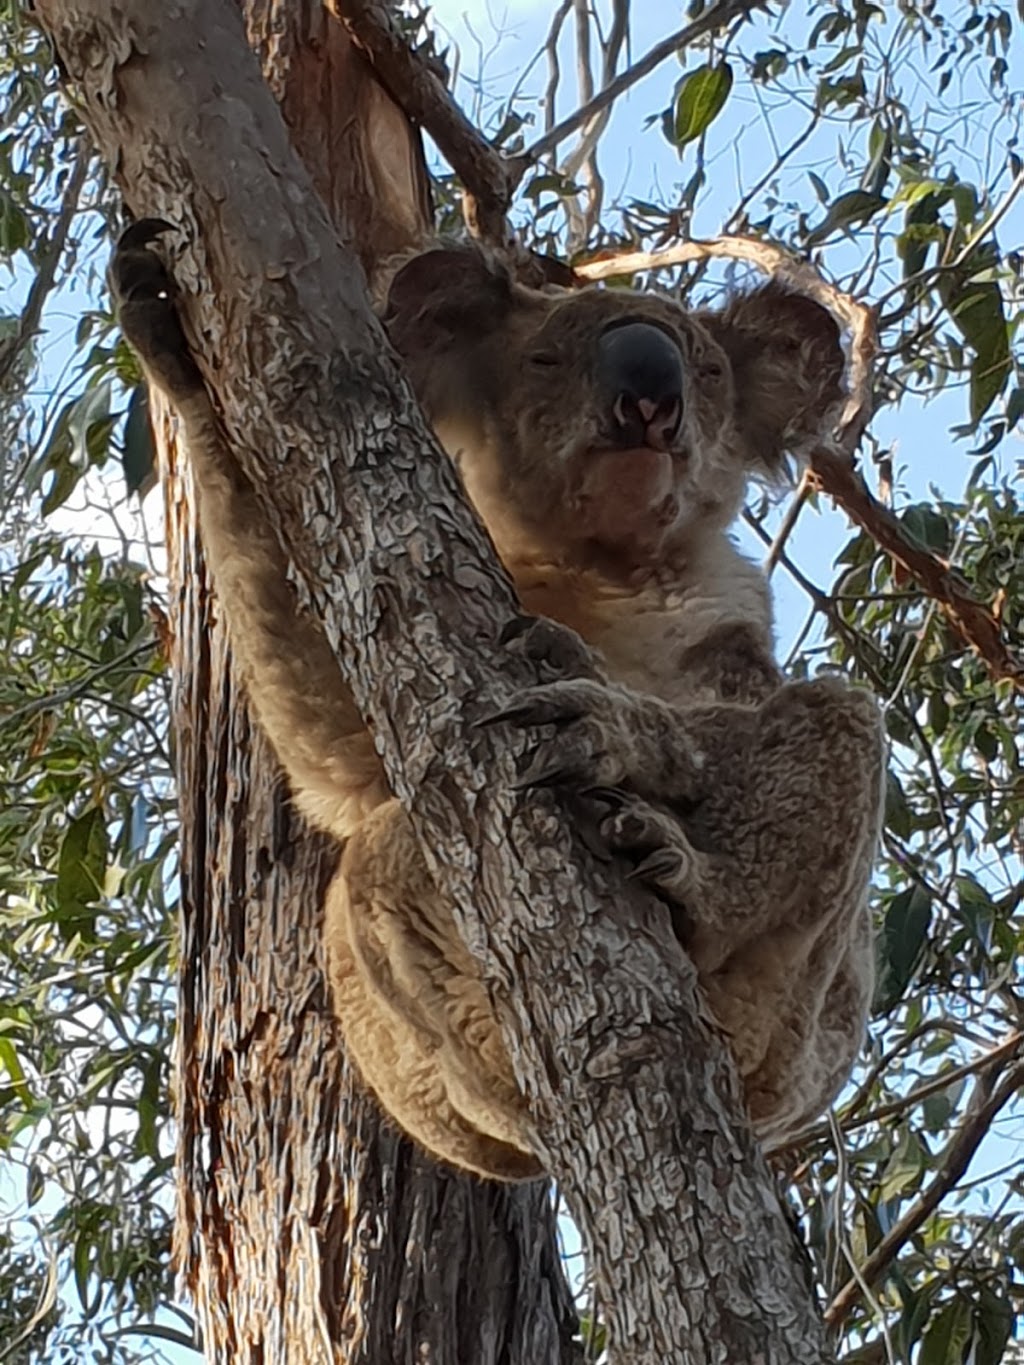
x: 788, y: 368
x: 446, y: 298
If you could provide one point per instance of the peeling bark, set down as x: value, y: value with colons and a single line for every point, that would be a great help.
x: 635, y: 1107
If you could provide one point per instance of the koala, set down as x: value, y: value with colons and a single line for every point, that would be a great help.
x: 605, y: 438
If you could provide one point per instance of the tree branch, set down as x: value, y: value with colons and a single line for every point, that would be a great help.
x: 634, y: 1104
x: 986, y: 1102
x: 830, y: 459
x: 490, y: 179
x: 1008, y: 1048
x: 415, y: 86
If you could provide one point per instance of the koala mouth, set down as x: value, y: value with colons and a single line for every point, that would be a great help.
x: 627, y: 494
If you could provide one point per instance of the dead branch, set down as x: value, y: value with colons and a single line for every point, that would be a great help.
x: 554, y: 68
x: 789, y: 521
x: 990, y: 1095
x: 830, y: 458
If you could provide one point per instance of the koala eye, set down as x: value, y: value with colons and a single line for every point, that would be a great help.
x: 544, y: 359
x: 712, y: 370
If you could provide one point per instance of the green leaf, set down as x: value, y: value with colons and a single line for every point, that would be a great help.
x: 81, y: 867
x: 700, y: 99
x: 855, y: 207
x: 905, y: 1167
x: 947, y: 1334
x: 901, y: 944
x: 138, y: 450
x: 988, y: 379
x: 928, y: 527
x: 938, y: 1109
x: 898, y: 816
x: 11, y: 1063
x: 91, y: 409
x: 149, y: 1110
x: 976, y: 310
x: 83, y: 1258
x: 976, y: 909
x: 993, y: 1323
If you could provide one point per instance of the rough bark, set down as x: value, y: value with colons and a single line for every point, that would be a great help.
x: 635, y: 1107
x: 308, y: 1228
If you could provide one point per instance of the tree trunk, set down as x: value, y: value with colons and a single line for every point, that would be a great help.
x: 308, y: 1228
x: 634, y: 1104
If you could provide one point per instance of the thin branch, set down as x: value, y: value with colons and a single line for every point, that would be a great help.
x: 830, y: 458
x: 1008, y: 1048
x: 789, y: 521
x: 736, y: 220
x: 712, y: 19
x: 987, y: 1100
x: 554, y: 69
x: 49, y: 260
x: 975, y: 623
x: 844, y: 1248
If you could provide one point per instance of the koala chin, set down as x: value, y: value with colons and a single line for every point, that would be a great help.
x: 606, y: 438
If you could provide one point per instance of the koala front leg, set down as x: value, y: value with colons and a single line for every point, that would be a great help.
x: 291, y: 674
x: 765, y: 861
x: 761, y: 814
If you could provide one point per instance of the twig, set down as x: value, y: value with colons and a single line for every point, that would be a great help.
x: 789, y: 521
x: 988, y: 1098
x: 554, y: 69
x: 844, y: 1247
x: 583, y: 156
x: 831, y: 458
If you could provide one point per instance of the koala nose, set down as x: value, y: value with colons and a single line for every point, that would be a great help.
x: 640, y: 375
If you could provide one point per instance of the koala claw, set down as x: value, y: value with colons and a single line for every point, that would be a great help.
x: 542, y: 771
x: 665, y: 864
x: 666, y: 860
x: 589, y: 747
x: 532, y: 711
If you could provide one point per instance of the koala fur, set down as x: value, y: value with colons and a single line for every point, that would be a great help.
x: 606, y: 438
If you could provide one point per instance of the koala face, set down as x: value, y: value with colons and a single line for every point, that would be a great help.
x: 604, y: 427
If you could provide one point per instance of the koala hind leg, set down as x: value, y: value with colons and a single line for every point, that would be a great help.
x: 779, y: 930
x: 767, y: 878
x: 413, y: 1010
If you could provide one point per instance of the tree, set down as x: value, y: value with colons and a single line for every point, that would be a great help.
x: 943, y: 706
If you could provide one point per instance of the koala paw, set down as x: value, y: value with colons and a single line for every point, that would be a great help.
x: 654, y: 841
x: 589, y: 745
x: 144, y: 297
x: 559, y: 651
